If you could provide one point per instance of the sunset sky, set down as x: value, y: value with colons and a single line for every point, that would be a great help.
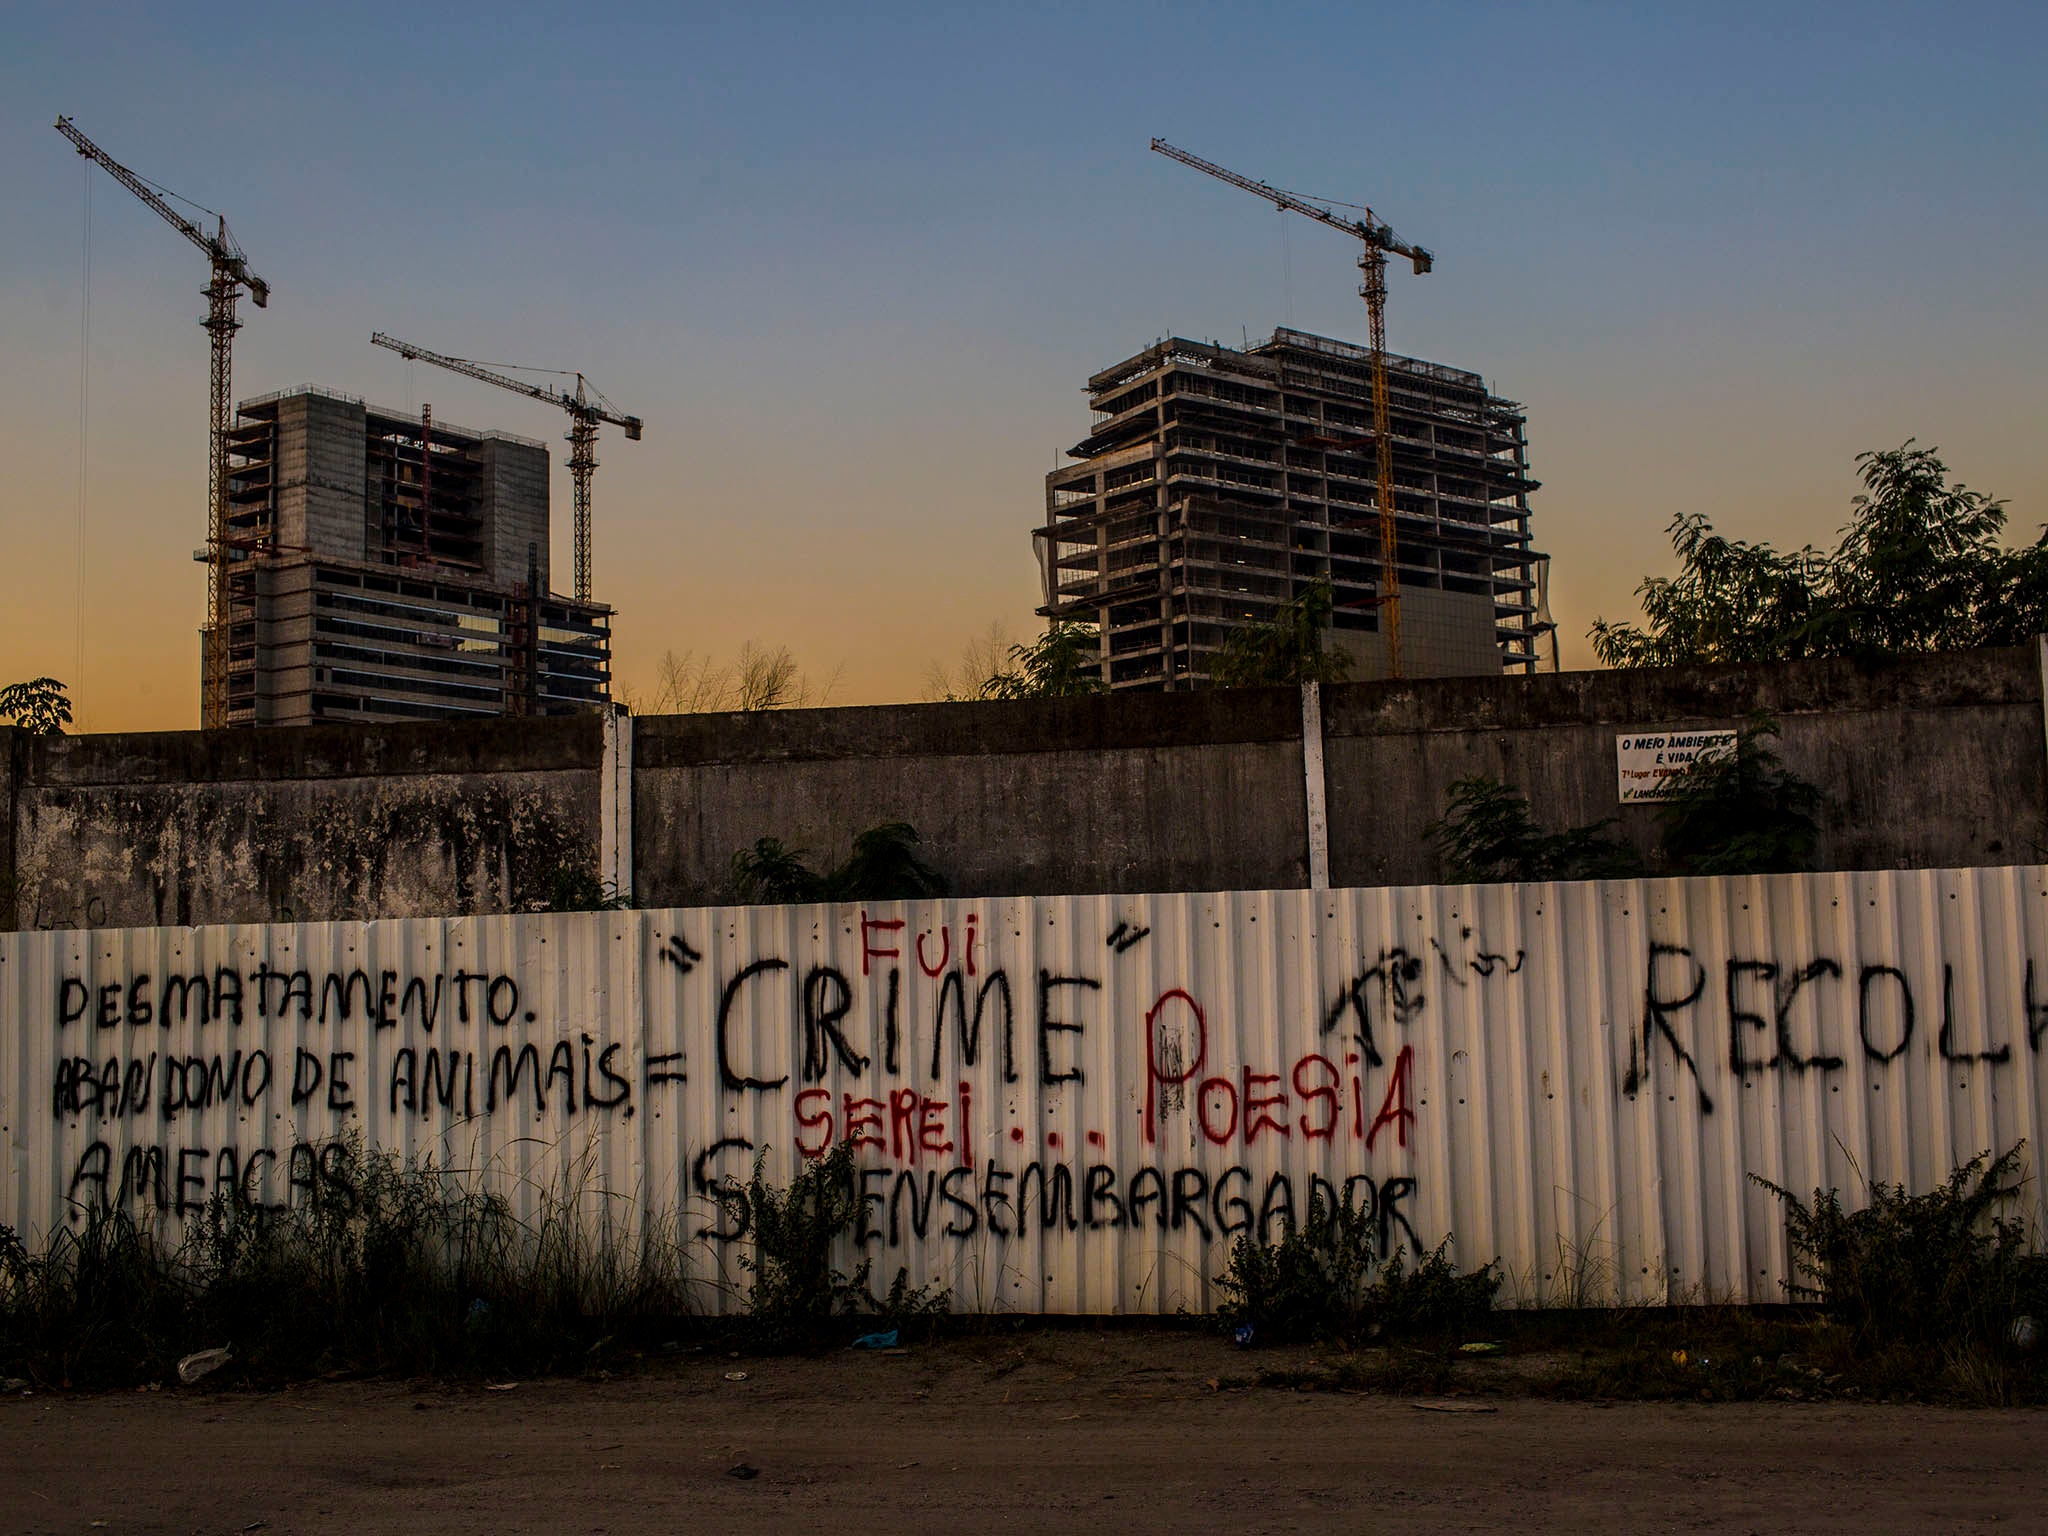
x: 853, y: 265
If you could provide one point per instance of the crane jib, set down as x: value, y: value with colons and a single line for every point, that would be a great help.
x: 230, y: 275
x: 1379, y: 239
x: 583, y: 417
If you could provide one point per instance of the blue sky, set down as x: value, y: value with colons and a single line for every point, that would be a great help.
x: 854, y: 266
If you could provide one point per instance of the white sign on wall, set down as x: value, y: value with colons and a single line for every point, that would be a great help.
x: 1646, y: 760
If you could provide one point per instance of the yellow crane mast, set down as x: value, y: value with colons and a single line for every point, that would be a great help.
x: 1378, y: 240
x: 584, y: 415
x: 231, y: 274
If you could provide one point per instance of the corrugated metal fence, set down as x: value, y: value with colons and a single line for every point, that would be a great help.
x: 1075, y: 1104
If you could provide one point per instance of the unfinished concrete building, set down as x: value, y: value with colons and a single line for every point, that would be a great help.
x: 389, y: 566
x: 1218, y: 485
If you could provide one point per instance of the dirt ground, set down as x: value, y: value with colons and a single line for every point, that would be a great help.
x: 1048, y: 1431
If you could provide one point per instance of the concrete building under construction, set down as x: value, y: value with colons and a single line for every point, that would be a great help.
x: 1218, y: 485
x: 388, y: 566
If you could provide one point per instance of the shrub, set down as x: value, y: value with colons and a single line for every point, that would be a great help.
x: 1918, y: 1270
x: 1434, y: 1297
x: 376, y: 1269
x: 99, y: 1305
x: 883, y: 865
x: 800, y: 1297
x: 1486, y: 835
x: 1062, y: 663
x: 1741, y: 813
x: 772, y: 874
x: 574, y: 888
x: 797, y: 1288
x: 1289, y: 650
x: 1318, y: 1282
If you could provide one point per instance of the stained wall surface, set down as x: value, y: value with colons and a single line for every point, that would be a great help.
x: 1076, y: 1104
x: 310, y: 822
x: 1141, y: 792
x: 1926, y: 762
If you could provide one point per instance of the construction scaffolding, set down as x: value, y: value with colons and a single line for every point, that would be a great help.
x: 1219, y: 484
x: 391, y: 567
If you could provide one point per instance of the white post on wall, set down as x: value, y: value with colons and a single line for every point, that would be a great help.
x: 1312, y: 784
x: 2041, y: 645
x: 615, y: 806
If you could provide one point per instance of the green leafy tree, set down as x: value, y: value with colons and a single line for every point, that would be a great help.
x: 1742, y: 812
x: 1919, y: 568
x: 1487, y: 835
x: 1731, y: 601
x: 39, y: 706
x: 1062, y: 663
x: 1289, y: 649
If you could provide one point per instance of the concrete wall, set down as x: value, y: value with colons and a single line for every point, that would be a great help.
x: 320, y: 469
x: 515, y: 510
x: 1931, y: 762
x: 308, y: 823
x: 1143, y: 792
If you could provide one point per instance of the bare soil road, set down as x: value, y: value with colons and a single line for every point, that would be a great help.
x: 1054, y: 1431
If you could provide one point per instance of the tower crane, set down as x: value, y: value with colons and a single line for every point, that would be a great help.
x: 584, y: 415
x: 1378, y: 240
x: 231, y: 274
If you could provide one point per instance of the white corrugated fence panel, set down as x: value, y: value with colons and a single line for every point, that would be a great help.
x: 1077, y: 1104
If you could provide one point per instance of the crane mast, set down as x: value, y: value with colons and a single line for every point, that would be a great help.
x: 231, y: 274
x: 1378, y: 240
x: 585, y: 414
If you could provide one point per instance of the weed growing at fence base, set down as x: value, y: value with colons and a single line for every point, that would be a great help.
x: 1913, y: 1297
x: 1920, y: 1270
x: 388, y: 1267
x: 800, y: 1299
x: 1668, y: 1354
x: 402, y: 1268
x: 100, y: 1306
x: 1925, y: 1290
x: 1319, y: 1282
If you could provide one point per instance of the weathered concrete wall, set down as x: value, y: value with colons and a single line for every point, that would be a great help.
x: 1928, y: 761
x: 1153, y: 792
x: 1934, y: 762
x: 307, y: 824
